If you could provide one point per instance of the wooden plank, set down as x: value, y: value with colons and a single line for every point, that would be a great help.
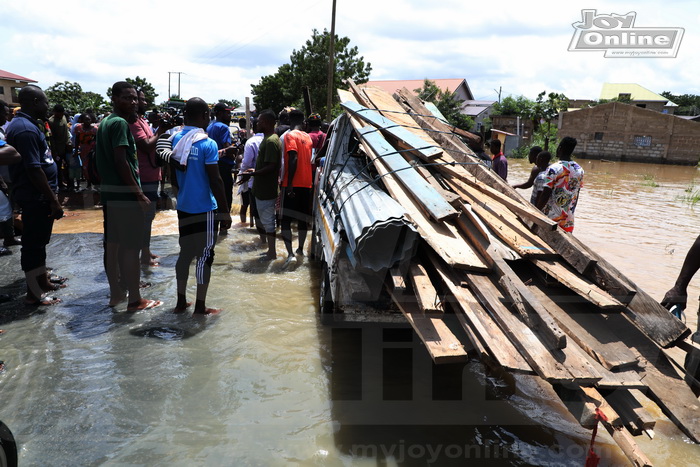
x: 423, y: 149
x: 473, y: 316
x: 486, y: 244
x: 526, y: 212
x: 523, y: 338
x: 583, y: 287
x: 569, y: 248
x: 428, y: 298
x: 441, y: 343
x: 534, y: 314
x: 589, y: 331
x: 655, y: 320
x: 635, y: 417
x: 621, y: 380
x: 443, y: 237
x: 505, y: 226
x: 397, y: 280
x: 431, y: 201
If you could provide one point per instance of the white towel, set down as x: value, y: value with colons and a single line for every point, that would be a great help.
x: 181, y: 151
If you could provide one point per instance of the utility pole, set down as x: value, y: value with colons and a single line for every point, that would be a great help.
x: 499, y: 93
x: 178, y: 83
x: 331, y: 68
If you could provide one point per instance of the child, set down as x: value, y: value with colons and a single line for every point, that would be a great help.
x: 542, y: 162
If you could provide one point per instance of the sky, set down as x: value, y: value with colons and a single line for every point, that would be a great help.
x: 515, y: 47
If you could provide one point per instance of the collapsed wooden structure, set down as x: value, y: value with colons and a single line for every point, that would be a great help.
x: 530, y: 298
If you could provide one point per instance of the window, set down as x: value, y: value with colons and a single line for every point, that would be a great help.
x: 2, y: 90
x: 644, y: 106
x: 15, y: 95
x: 642, y: 141
x: 598, y: 136
x: 624, y: 96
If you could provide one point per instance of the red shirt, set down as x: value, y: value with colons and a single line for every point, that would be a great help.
x: 148, y: 170
x: 300, y: 142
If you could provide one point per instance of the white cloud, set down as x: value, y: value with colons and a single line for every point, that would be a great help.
x: 223, y: 47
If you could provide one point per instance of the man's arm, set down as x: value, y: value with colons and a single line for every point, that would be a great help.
x: 9, y: 155
x: 544, y: 198
x: 38, y: 178
x: 292, y: 157
x: 217, y: 188
x: 124, y: 172
x: 678, y: 295
x: 146, y: 144
x: 530, y: 181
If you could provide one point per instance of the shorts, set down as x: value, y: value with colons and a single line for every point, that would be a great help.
x: 123, y: 223
x: 266, y: 213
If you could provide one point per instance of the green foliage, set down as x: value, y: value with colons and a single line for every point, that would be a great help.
x: 623, y: 99
x: 519, y: 106
x: 233, y: 103
x: 547, y: 109
x: 688, y: 104
x: 447, y: 103
x: 649, y: 180
x: 72, y: 97
x: 309, y: 67
x: 142, y: 84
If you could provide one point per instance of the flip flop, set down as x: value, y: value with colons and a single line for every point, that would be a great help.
x: 46, y: 301
x: 150, y: 304
x: 56, y: 279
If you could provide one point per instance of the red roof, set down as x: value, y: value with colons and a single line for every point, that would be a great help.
x: 7, y: 75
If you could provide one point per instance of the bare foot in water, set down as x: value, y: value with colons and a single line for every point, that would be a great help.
x: 143, y: 304
x: 179, y: 308
x: 117, y: 300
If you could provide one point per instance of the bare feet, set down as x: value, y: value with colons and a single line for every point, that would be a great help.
x: 143, y: 304
x: 116, y: 300
x: 47, y: 301
x: 179, y: 308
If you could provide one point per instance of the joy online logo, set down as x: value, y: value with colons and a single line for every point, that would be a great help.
x: 617, y: 36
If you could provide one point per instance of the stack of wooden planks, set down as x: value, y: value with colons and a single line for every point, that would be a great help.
x: 529, y: 297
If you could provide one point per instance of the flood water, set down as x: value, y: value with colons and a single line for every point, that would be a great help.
x: 265, y: 383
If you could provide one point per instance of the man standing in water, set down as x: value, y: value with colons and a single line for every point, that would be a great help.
x: 562, y: 182
x: 123, y: 201
x: 200, y: 196
x: 218, y: 130
x: 499, y: 161
x: 35, y: 186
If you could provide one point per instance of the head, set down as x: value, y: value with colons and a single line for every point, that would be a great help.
x: 314, y: 121
x: 143, y: 102
x: 154, y: 118
x: 566, y: 148
x: 125, y: 100
x: 284, y: 117
x: 86, y: 120
x: 296, y: 119
x: 542, y: 159
x: 58, y: 111
x: 196, y: 113
x: 33, y: 101
x: 242, y: 123
x: 495, y: 146
x: 266, y: 122
x: 4, y: 112
x: 534, y: 152
x: 222, y: 112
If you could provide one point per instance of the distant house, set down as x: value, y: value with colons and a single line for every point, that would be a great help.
x: 477, y: 109
x: 638, y: 96
x: 624, y: 132
x: 10, y: 84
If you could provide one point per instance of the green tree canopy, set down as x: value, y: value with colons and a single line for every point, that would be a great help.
x: 688, y: 104
x: 72, y: 97
x: 519, y: 106
x: 447, y: 103
x: 142, y: 84
x: 309, y: 67
x: 234, y: 103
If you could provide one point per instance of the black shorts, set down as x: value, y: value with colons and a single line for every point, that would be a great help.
x: 298, y: 206
x: 123, y: 223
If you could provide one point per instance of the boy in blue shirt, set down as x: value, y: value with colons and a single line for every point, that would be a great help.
x: 201, y: 203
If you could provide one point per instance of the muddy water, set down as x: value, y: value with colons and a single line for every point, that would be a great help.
x: 265, y: 383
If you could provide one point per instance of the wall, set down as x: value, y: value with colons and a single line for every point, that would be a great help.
x: 618, y: 131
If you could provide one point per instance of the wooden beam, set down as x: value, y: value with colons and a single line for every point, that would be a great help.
x: 583, y: 287
x: 428, y: 298
x: 635, y: 417
x: 441, y: 343
x: 434, y: 204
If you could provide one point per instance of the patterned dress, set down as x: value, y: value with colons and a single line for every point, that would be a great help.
x: 565, y: 178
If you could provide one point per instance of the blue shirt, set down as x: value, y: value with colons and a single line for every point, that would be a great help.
x: 219, y: 132
x: 25, y: 135
x: 194, y: 195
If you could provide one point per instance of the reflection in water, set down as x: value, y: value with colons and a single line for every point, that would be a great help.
x: 265, y: 383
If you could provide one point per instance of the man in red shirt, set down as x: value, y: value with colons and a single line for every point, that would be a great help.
x: 297, y: 179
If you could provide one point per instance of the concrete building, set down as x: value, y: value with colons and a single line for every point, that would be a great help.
x: 624, y: 132
x: 639, y: 96
x: 10, y: 84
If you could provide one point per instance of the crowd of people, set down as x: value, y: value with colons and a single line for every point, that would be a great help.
x: 126, y: 156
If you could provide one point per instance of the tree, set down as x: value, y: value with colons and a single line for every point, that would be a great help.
x: 142, y: 84
x: 447, y: 103
x: 519, y: 106
x: 688, y: 104
x: 309, y: 67
x: 233, y: 103
x: 72, y: 97
x: 546, y: 110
